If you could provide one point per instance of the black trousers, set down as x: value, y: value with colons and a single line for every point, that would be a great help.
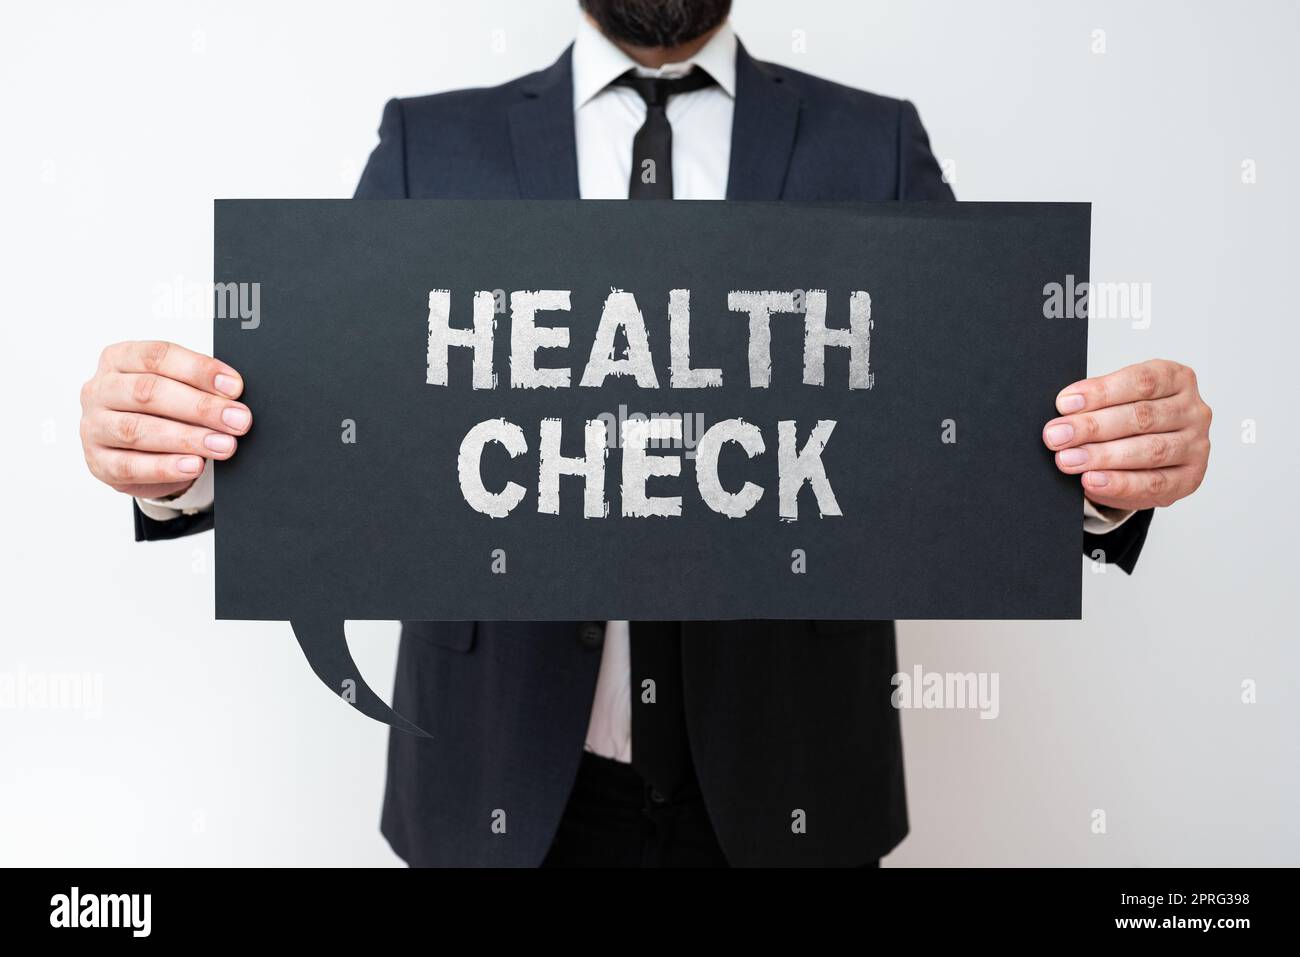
x: 615, y: 819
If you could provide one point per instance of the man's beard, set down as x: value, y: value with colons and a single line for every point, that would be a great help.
x: 656, y: 23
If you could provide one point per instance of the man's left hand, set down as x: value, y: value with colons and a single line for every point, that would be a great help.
x: 1139, y: 437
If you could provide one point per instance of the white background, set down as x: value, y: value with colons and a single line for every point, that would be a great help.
x: 216, y: 745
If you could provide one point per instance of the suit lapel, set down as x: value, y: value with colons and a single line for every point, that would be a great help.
x: 762, y: 132
x: 541, y: 134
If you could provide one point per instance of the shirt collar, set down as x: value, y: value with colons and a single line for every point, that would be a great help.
x: 597, y: 62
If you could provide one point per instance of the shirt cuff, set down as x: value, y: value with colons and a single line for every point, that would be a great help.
x: 197, y: 498
x: 1100, y: 519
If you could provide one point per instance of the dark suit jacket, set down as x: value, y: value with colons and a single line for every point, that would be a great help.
x: 782, y: 715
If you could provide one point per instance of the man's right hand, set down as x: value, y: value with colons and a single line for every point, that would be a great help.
x: 153, y: 412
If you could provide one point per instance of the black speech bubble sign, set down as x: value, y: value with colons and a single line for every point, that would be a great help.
x: 317, y: 531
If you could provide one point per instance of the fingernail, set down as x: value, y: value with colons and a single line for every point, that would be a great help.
x: 1095, y: 479
x: 219, y: 443
x: 190, y: 464
x: 236, y: 418
x: 227, y: 385
x: 1073, y: 457
x: 1070, y: 402
x: 1059, y: 434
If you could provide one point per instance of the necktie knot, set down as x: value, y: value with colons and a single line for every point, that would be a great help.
x: 652, y: 147
x: 655, y: 90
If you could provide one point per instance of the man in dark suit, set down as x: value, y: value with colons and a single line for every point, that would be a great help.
x: 768, y: 742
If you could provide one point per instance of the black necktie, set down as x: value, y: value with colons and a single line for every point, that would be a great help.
x: 652, y: 149
x: 660, y: 749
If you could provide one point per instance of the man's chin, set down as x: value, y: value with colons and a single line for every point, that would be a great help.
x: 656, y: 23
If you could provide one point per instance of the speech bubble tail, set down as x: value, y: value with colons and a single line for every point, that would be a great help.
x: 325, y: 644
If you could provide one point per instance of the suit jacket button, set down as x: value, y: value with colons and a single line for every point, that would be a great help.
x: 592, y: 634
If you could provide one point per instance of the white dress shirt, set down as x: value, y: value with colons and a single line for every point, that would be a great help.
x: 606, y: 119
